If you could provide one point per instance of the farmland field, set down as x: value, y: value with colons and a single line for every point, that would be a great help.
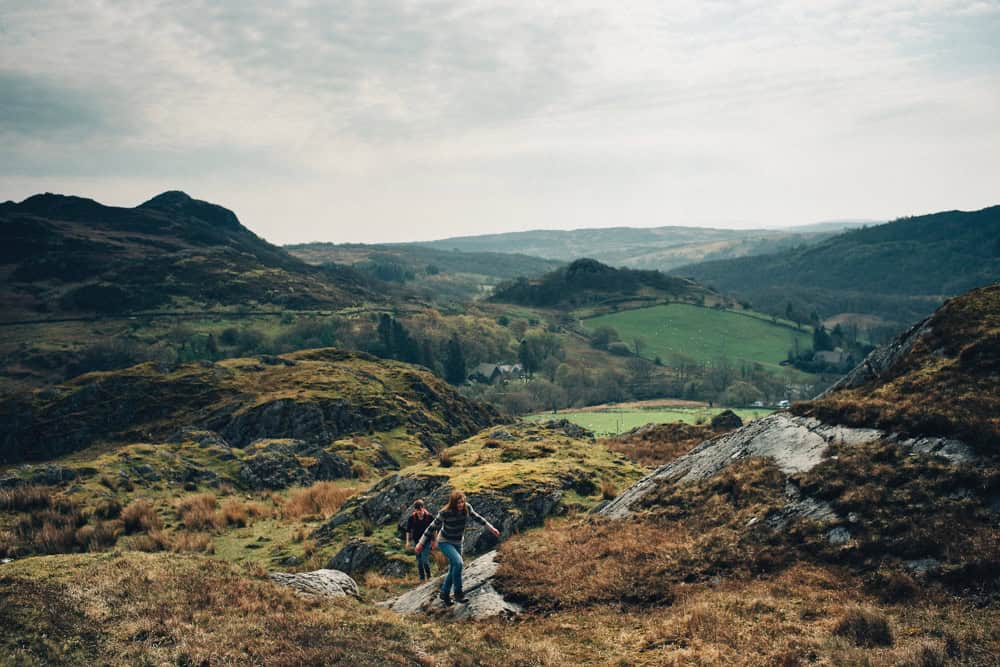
x: 612, y: 421
x: 704, y: 334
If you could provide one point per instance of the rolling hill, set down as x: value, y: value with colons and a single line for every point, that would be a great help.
x: 589, y: 283
x: 899, y: 271
x: 66, y: 256
x: 659, y: 248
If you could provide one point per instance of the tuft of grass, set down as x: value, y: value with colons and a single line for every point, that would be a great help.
x: 140, y: 517
x: 444, y: 459
x: 864, y: 627
x: 192, y: 543
x: 197, y: 512
x: 321, y: 500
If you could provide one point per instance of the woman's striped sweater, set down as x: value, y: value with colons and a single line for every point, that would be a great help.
x: 452, y: 525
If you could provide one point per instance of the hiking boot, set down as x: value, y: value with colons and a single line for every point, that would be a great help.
x: 446, y: 599
x: 460, y: 597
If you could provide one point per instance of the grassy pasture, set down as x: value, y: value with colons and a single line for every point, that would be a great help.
x: 704, y: 334
x: 613, y: 421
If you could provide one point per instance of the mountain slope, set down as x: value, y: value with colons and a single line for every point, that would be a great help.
x: 900, y: 270
x: 63, y: 255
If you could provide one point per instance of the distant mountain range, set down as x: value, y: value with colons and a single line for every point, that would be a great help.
x: 440, y: 274
x: 900, y: 271
x: 62, y: 255
x: 659, y: 248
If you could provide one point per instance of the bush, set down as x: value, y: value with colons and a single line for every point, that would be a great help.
x: 140, y: 517
x: 864, y: 627
x: 620, y: 349
x: 108, y: 509
x: 444, y: 459
x: 234, y: 513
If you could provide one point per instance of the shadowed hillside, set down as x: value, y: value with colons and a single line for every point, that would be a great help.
x: 63, y: 256
x: 899, y: 271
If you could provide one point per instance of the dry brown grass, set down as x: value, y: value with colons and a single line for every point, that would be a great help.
x: 192, y: 543
x: 25, y: 498
x: 197, y: 512
x: 864, y: 627
x: 185, y: 610
x: 140, y: 517
x: 657, y: 444
x: 321, y: 500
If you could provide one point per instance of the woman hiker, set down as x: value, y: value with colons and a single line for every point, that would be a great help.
x: 415, y: 527
x: 451, y: 522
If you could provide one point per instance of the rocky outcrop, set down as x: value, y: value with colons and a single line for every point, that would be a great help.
x: 319, y: 583
x: 484, y: 600
x: 880, y: 360
x: 357, y: 556
x: 316, y: 396
x: 391, y: 501
x: 280, y: 464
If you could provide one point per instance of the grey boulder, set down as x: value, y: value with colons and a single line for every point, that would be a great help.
x: 319, y: 583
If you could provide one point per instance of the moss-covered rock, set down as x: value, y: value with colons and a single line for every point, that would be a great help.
x: 516, y: 480
x: 316, y: 396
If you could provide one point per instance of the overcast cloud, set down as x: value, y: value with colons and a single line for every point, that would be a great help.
x: 391, y: 121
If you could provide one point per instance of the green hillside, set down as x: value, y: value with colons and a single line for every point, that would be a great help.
x: 704, y: 334
x: 900, y: 271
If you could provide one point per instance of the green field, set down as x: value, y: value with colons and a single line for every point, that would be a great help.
x: 612, y: 421
x: 704, y: 334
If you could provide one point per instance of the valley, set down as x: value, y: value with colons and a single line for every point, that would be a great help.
x: 194, y: 458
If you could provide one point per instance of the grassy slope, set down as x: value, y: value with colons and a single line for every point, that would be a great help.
x: 538, y: 460
x: 704, y: 334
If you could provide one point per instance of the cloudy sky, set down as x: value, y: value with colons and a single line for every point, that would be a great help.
x: 385, y: 121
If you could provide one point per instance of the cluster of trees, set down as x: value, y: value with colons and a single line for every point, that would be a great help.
x: 581, y: 282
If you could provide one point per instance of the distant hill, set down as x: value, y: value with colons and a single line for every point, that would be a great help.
x: 660, y: 248
x: 587, y: 282
x: 62, y: 255
x: 449, y: 274
x: 899, y: 271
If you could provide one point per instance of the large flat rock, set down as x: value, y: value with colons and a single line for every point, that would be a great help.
x: 484, y: 600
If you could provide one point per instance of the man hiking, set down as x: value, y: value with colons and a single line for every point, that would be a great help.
x: 416, y: 525
x: 451, y: 521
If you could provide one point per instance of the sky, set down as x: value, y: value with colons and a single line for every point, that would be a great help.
x: 386, y: 121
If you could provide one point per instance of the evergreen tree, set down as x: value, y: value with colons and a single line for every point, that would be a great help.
x: 454, y: 362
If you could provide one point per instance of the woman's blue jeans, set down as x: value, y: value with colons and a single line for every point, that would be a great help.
x: 454, y: 556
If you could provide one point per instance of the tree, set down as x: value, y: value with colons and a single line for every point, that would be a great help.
x: 526, y: 355
x: 454, y: 362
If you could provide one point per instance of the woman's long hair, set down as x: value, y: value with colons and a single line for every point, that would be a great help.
x: 453, y: 499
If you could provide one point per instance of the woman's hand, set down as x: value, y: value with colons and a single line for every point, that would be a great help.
x: 496, y: 533
x: 417, y: 549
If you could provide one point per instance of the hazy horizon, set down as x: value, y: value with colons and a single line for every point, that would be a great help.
x: 392, y: 122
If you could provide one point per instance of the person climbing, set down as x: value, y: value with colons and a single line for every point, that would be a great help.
x: 451, y: 521
x: 416, y: 525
